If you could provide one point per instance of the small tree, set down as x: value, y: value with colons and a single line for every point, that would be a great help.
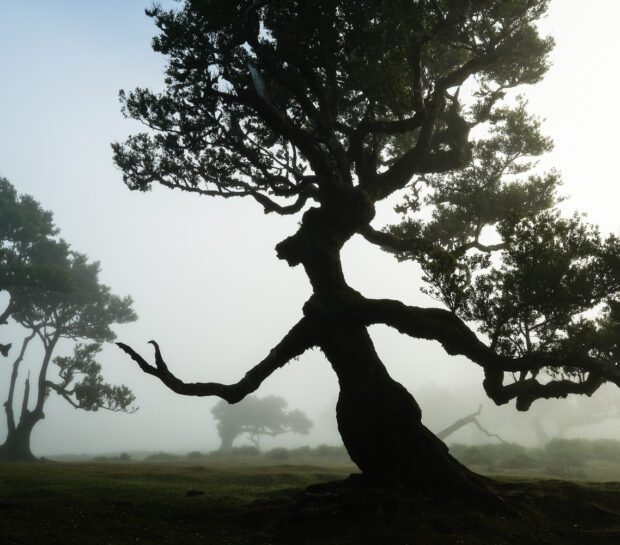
x: 84, y: 310
x: 257, y: 416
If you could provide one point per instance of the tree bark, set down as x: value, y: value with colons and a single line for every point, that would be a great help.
x: 16, y: 447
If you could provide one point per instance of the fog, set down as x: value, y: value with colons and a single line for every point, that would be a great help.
x: 203, y: 272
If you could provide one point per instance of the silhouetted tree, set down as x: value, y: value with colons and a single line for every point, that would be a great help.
x: 326, y: 108
x: 84, y: 311
x: 257, y: 416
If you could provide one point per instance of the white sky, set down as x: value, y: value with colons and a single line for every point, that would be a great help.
x: 203, y: 273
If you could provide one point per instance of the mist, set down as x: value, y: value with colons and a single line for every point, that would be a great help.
x: 203, y: 273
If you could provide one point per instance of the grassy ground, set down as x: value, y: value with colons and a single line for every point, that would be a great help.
x: 186, y: 503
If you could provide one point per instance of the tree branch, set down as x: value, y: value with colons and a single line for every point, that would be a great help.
x: 8, y: 405
x: 7, y: 312
x: 25, y: 399
x: 463, y: 422
x: 62, y: 392
x: 458, y: 339
x: 295, y: 342
x: 394, y: 243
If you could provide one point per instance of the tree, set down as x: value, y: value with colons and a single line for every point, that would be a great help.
x: 84, y: 311
x: 329, y: 107
x: 257, y: 416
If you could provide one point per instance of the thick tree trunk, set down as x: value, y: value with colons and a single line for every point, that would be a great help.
x: 378, y: 419
x: 16, y: 447
x: 381, y: 424
x: 226, y: 444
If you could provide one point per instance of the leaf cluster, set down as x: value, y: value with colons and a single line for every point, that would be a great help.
x: 259, y: 416
x: 87, y: 311
x: 83, y: 386
x: 29, y: 249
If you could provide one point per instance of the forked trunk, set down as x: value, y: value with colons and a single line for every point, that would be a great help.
x: 378, y: 419
x: 16, y: 447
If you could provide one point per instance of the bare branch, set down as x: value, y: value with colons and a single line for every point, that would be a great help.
x: 271, y: 206
x: 469, y: 419
x: 299, y: 339
x: 486, y: 432
x: 394, y: 243
x: 7, y: 312
x: 8, y: 405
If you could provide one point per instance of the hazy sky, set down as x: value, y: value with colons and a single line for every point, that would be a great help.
x: 203, y: 273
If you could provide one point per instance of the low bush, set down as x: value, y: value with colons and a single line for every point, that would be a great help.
x: 245, y: 450
x: 162, y: 456
x: 279, y: 454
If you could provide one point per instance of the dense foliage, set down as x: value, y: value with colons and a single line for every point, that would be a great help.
x: 257, y: 416
x: 28, y: 250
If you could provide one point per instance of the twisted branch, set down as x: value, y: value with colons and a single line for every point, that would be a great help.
x: 299, y: 339
x: 458, y: 339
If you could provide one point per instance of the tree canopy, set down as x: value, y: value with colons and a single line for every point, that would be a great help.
x: 329, y: 107
x: 256, y: 416
x: 28, y: 250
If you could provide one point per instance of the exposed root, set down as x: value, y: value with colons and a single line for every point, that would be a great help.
x: 362, y: 496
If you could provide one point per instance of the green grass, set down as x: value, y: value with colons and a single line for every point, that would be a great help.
x: 47, y: 503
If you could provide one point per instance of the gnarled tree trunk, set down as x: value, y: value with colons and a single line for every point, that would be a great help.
x: 16, y: 446
x: 17, y: 443
x: 379, y: 420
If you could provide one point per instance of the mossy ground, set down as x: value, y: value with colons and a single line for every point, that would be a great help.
x: 187, y: 503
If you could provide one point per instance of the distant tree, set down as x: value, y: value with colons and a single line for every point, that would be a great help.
x: 84, y: 311
x: 255, y: 417
x: 326, y: 109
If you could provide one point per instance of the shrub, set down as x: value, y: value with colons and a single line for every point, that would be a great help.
x: 279, y: 453
x: 245, y: 450
x: 493, y: 457
x: 161, y: 457
x: 567, y: 456
x: 605, y: 449
x: 195, y: 454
